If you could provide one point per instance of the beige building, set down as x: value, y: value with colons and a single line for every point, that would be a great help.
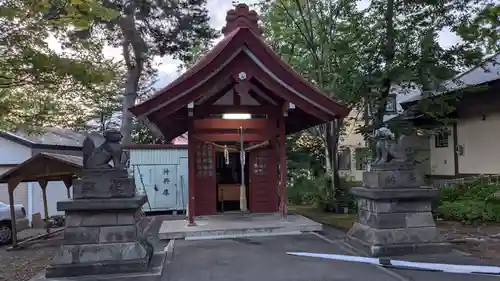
x: 469, y: 145
x: 353, y: 147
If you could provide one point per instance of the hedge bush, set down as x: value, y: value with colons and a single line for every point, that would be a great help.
x: 470, y: 202
x: 316, y: 192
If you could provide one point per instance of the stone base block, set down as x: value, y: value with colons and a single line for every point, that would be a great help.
x: 390, y: 207
x: 394, y: 236
x: 395, y: 194
x: 95, y: 259
x: 396, y: 241
x: 396, y: 220
x: 392, y: 179
x: 113, y: 226
x: 393, y: 166
x: 97, y: 218
x: 153, y: 273
x: 102, y: 204
x: 104, y: 183
x: 398, y: 249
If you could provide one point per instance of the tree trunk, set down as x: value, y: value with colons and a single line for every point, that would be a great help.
x: 331, y: 135
x: 129, y: 97
x: 388, y: 51
x: 134, y: 51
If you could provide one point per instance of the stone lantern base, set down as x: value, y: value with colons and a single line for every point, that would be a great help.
x: 395, y: 213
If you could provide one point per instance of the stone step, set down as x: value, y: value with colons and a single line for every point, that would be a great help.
x: 191, y: 234
x: 244, y: 235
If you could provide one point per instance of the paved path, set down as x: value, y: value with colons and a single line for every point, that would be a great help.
x: 264, y: 259
x: 336, y: 237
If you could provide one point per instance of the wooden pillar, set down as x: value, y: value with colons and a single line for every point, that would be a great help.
x: 43, y: 185
x: 191, y: 172
x: 11, y: 187
x: 68, y: 183
x: 282, y: 159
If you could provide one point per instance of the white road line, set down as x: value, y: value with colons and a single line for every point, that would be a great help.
x: 450, y: 268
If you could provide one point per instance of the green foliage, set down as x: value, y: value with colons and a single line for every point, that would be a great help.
x: 470, y: 202
x: 483, y: 30
x: 315, y: 191
x: 40, y: 86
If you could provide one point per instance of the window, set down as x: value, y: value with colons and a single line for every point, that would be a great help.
x: 344, y: 159
x: 391, y: 106
x: 441, y: 138
x: 362, y: 155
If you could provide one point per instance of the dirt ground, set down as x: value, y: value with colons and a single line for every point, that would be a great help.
x: 482, y: 241
x: 21, y: 265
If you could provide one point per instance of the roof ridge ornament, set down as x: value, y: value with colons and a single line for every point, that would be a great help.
x: 241, y: 16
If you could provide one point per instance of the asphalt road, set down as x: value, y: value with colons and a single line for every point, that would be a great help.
x: 265, y: 259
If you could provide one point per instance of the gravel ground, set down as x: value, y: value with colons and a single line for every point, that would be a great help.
x: 21, y: 265
x: 482, y: 241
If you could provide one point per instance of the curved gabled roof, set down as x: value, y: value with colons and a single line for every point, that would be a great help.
x: 243, y: 37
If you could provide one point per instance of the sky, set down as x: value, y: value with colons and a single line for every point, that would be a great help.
x: 167, y: 66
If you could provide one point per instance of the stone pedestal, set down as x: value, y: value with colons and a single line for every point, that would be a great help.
x: 394, y: 213
x: 105, y: 230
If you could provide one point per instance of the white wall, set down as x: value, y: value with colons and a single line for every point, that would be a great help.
x: 12, y: 153
x: 480, y: 140
x: 20, y: 193
x: 56, y: 191
x: 150, y: 163
x: 442, y: 159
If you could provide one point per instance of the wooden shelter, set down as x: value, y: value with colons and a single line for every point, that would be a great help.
x: 240, y: 97
x: 42, y: 168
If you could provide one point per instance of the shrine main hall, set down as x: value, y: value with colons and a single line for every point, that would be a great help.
x: 237, y: 104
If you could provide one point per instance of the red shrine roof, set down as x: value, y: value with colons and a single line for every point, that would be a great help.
x: 241, y: 50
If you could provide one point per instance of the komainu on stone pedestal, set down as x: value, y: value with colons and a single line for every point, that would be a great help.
x: 394, y: 208
x: 106, y: 230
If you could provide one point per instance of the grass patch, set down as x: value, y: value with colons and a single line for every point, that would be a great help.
x: 339, y: 221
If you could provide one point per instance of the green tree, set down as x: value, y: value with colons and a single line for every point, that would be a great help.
x: 318, y: 38
x: 482, y: 30
x: 38, y: 84
x: 144, y: 29
x: 360, y: 55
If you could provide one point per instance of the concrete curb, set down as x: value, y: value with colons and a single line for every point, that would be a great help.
x: 169, y: 251
x: 245, y: 235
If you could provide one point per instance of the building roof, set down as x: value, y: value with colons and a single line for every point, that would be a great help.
x: 487, y: 71
x: 241, y: 50
x: 56, y: 138
x: 45, y: 166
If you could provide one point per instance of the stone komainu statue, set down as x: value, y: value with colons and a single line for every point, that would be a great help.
x: 388, y: 151
x: 98, y: 151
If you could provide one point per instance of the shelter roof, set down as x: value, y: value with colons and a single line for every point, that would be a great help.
x: 49, y: 137
x: 45, y: 166
x: 242, y: 50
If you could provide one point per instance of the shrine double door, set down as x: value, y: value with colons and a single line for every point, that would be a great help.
x: 263, y: 180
